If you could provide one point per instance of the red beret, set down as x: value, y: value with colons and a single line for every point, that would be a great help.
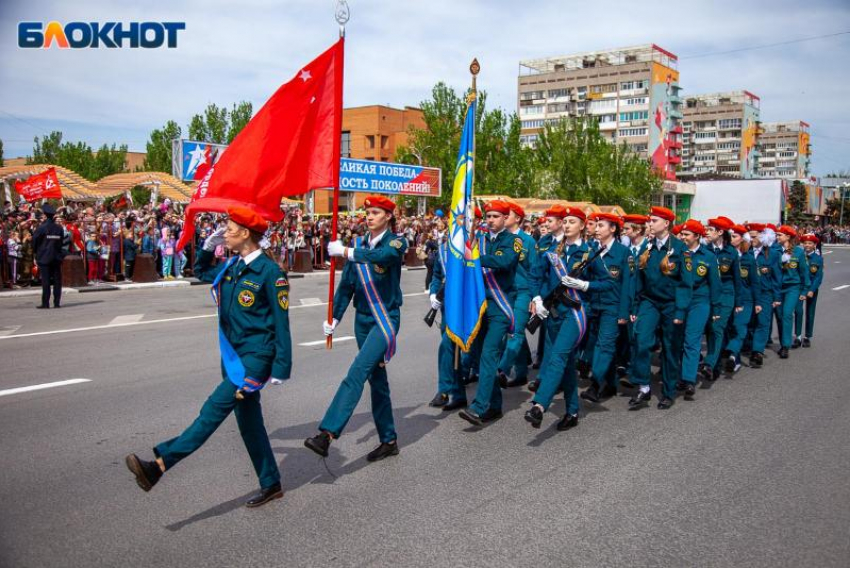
x: 722, y: 223
x: 809, y: 238
x: 247, y: 218
x: 498, y: 206
x: 740, y: 229
x: 662, y: 212
x: 556, y: 210
x: 676, y: 229
x: 594, y: 216
x: 477, y: 212
x: 381, y: 202
x: 610, y: 217
x: 636, y: 219
x: 516, y: 209
x: 755, y: 227
x: 575, y: 212
x: 541, y: 220
x: 770, y: 226
x: 693, y: 226
x: 787, y: 230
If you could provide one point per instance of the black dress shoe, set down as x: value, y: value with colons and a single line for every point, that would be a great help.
x: 503, y: 380
x: 730, y: 363
x: 455, y: 404
x: 533, y: 385
x: 640, y: 399
x: 385, y: 450
x: 690, y: 391
x: 319, y: 443
x: 263, y: 496
x: 783, y: 353
x: 42, y: 307
x: 607, y: 392
x: 439, y: 400
x: 57, y: 306
x: 147, y: 472
x: 517, y: 382
x: 807, y: 342
x: 583, y: 368
x: 567, y: 422
x: 534, y: 416
x: 707, y: 373
x: 681, y: 386
x: 756, y: 360
x: 665, y: 403
x: 622, y: 372
x: 491, y: 415
x: 796, y: 343
x: 471, y: 417
x: 472, y: 378
x: 591, y: 393
x: 535, y: 365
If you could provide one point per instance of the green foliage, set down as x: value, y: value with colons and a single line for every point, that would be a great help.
x: 797, y: 204
x: 218, y: 125
x: 239, y: 117
x: 158, y: 158
x: 78, y: 157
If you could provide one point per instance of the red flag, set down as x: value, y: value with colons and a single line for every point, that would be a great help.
x: 286, y: 149
x: 40, y: 186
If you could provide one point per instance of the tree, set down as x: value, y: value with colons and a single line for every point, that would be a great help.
x: 239, y: 117
x: 78, y: 157
x: 218, y: 125
x: 797, y: 204
x: 158, y: 158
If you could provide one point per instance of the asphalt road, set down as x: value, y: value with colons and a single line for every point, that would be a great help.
x: 753, y: 473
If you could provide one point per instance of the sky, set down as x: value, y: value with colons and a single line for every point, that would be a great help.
x: 397, y: 50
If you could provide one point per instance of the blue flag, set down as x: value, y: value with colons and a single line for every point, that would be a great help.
x: 465, y: 295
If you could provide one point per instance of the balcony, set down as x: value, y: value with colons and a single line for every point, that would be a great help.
x: 674, y: 160
x: 675, y: 113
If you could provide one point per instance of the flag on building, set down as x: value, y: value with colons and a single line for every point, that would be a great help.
x: 286, y: 149
x: 465, y: 295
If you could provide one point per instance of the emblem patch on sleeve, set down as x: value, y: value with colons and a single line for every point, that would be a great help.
x: 246, y: 298
x: 283, y: 299
x: 517, y: 245
x: 813, y: 268
x: 281, y: 282
x: 395, y: 243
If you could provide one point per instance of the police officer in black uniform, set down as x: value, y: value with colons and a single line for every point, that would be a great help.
x: 49, y: 253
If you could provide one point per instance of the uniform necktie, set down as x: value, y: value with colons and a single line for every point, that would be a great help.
x: 237, y: 268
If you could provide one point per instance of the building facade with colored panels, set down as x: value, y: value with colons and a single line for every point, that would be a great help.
x: 721, y: 133
x: 785, y: 150
x: 632, y: 92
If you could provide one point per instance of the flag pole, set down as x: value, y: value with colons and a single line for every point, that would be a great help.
x: 341, y: 13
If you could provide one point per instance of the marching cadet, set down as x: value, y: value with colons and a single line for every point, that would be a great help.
x: 371, y: 278
x: 719, y: 242
x: 748, y: 297
x: 769, y: 293
x: 612, y: 308
x: 663, y: 295
x: 634, y: 228
x: 252, y: 294
x: 499, y: 253
x: 567, y: 323
x: 552, y: 233
x: 810, y: 244
x: 795, y: 284
x: 704, y: 306
x: 516, y: 352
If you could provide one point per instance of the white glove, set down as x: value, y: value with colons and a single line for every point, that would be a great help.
x: 328, y: 328
x: 435, y: 303
x: 786, y: 257
x: 541, y: 312
x: 336, y: 248
x: 214, y: 240
x: 571, y: 282
x: 275, y: 381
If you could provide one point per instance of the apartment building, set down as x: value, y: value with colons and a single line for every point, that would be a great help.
x: 633, y: 92
x: 720, y: 134
x: 785, y: 150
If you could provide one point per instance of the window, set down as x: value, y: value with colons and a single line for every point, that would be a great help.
x: 370, y: 140
x: 635, y: 101
x: 555, y: 93
x: 345, y: 145
x: 385, y: 142
x: 531, y: 95
x: 704, y: 135
x: 603, y: 105
x: 636, y: 115
x: 729, y: 123
x: 557, y: 107
x: 531, y: 109
x: 632, y: 85
x: 607, y: 118
x: 532, y: 123
x: 626, y: 132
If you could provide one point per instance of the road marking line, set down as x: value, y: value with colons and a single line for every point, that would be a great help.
x: 149, y: 322
x: 323, y: 341
x: 836, y: 262
x: 43, y: 386
x: 841, y: 287
x: 828, y: 252
x: 9, y: 330
x: 310, y: 301
x: 130, y: 318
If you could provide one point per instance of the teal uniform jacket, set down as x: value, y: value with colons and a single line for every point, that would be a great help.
x: 770, y: 274
x: 816, y: 271
x: 545, y: 279
x: 702, y: 264
x: 438, y: 278
x: 636, y: 252
x: 386, y: 259
x: 795, y: 272
x: 525, y: 263
x: 730, y: 276
x: 254, y: 314
x: 749, y: 276
x: 501, y: 256
x: 619, y: 268
x: 660, y: 288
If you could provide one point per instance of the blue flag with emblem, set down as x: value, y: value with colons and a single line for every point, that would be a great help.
x: 465, y: 295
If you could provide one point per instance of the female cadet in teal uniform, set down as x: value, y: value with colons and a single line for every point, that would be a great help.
x: 748, y: 298
x: 770, y: 289
x: 795, y: 284
x: 566, y: 324
x: 663, y: 295
x: 372, y: 277
x: 719, y: 241
x: 613, y: 307
x: 499, y: 252
x: 253, y: 299
x: 638, y: 242
x: 701, y: 263
x: 810, y: 243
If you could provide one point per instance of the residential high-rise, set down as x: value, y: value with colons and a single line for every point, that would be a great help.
x: 785, y: 150
x: 633, y: 92
x: 721, y: 134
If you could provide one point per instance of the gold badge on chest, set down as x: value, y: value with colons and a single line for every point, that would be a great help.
x: 744, y: 273
x: 246, y: 298
x: 813, y: 268
x: 379, y: 269
x: 702, y: 270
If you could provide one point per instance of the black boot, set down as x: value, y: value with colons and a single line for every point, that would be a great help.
x: 533, y: 385
x: 567, y: 422
x: 690, y: 391
x: 264, y: 495
x: 807, y: 342
x: 783, y: 352
x: 518, y: 382
x: 385, y: 450
x: 503, y: 380
x: 455, y: 404
x: 796, y: 343
x: 319, y: 443
x: 607, y: 392
x: 147, y: 472
x: 756, y: 360
x: 439, y: 400
x: 591, y: 393
x: 534, y: 415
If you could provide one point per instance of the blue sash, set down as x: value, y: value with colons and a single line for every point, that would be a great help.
x: 580, y: 315
x: 233, y: 367
x: 493, y: 286
x: 376, y: 305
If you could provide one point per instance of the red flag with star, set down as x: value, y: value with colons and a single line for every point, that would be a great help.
x: 286, y: 149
